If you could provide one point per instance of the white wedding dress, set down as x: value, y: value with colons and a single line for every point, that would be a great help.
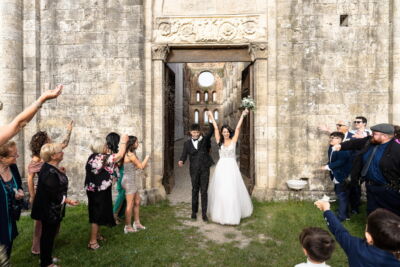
x: 228, y: 199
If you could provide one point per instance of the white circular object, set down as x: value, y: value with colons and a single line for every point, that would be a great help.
x: 296, y: 184
x: 206, y: 79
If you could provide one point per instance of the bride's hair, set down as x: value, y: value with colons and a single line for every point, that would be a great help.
x: 231, y: 133
x: 130, y: 146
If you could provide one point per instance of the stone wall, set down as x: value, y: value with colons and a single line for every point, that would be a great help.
x: 94, y: 48
x: 325, y: 72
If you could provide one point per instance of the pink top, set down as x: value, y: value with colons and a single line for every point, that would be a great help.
x: 397, y: 140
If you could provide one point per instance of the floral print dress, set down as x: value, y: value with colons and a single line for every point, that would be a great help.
x: 101, y: 171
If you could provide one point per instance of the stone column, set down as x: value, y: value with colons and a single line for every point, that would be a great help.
x: 264, y: 123
x: 395, y: 118
x: 11, y: 93
x: 159, y: 55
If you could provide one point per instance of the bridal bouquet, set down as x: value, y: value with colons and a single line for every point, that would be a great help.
x: 248, y: 102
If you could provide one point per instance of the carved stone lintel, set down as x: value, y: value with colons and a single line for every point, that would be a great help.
x: 213, y: 29
x: 258, y: 51
x: 159, y: 52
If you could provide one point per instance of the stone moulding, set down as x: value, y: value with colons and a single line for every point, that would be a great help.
x: 159, y: 52
x: 258, y: 51
x: 209, y: 29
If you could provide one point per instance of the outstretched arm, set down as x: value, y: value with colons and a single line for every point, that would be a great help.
x: 215, y: 126
x: 11, y: 129
x: 69, y: 131
x: 138, y: 164
x: 239, y: 125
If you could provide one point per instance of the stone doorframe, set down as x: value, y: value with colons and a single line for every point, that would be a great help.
x: 265, y: 120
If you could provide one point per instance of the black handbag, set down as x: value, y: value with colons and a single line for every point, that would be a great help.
x: 16, y: 208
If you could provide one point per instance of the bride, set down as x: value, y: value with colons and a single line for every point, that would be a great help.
x: 228, y: 199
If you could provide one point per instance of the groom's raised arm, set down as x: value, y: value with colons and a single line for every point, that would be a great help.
x: 210, y: 131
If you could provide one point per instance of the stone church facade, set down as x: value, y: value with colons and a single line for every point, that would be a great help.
x: 312, y: 62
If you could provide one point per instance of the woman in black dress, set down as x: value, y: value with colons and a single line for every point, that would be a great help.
x: 101, y: 172
x: 50, y: 199
x: 10, y: 192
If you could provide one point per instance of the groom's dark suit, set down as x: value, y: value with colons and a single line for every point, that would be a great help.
x: 200, y: 163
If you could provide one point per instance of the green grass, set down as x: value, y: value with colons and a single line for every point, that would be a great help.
x: 168, y: 242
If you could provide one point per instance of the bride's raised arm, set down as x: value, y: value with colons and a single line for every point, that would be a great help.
x: 214, y: 123
x: 239, y: 125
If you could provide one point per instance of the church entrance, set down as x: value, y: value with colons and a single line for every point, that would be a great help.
x: 197, y: 81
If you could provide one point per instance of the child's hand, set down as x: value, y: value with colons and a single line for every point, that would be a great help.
x: 322, y: 205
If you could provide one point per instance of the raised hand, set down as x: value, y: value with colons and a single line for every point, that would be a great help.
x: 245, y: 112
x: 70, y: 125
x: 322, y: 205
x: 50, y: 94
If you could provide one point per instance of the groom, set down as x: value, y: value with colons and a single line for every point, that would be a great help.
x: 198, y: 148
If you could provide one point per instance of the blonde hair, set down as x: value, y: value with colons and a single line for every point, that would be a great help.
x: 49, y: 150
x: 5, y: 149
x: 98, y: 145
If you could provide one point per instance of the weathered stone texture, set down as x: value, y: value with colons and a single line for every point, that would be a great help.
x: 95, y: 49
x: 327, y: 72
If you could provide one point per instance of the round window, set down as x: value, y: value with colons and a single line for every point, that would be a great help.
x: 206, y: 79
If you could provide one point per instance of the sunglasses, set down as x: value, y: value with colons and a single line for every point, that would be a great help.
x: 357, y: 122
x: 340, y: 125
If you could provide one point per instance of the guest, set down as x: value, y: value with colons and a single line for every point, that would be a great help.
x: 101, y: 169
x: 318, y: 246
x: 378, y: 163
x: 339, y: 167
x: 11, y: 129
x: 10, y: 191
x: 112, y: 141
x: 37, y: 142
x: 360, y: 125
x: 381, y: 246
x: 341, y: 126
x: 132, y: 184
x: 397, y: 134
x: 50, y: 199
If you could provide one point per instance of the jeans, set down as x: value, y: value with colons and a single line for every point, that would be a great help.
x: 342, y: 195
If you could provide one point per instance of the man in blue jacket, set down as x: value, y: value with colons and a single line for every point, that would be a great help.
x: 339, y: 167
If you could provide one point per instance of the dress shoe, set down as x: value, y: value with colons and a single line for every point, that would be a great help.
x: 194, y: 216
x: 205, y: 218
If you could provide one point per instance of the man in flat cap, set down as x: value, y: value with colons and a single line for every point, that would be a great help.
x: 377, y: 162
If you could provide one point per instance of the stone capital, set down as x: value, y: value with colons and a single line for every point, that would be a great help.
x: 258, y: 51
x: 159, y: 52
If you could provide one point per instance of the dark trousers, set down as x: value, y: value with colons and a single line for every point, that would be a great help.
x: 355, y: 197
x: 49, y: 231
x: 342, y: 195
x: 200, y: 179
x: 379, y: 196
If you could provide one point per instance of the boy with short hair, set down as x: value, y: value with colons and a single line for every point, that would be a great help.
x: 381, y: 246
x: 318, y: 245
x: 339, y: 167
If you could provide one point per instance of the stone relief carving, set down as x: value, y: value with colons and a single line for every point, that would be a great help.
x: 209, y: 29
x: 258, y: 50
x: 159, y: 52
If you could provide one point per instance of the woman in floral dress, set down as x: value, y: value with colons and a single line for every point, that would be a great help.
x: 101, y: 172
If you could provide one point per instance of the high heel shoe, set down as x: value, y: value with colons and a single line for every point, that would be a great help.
x: 138, y: 226
x: 129, y: 229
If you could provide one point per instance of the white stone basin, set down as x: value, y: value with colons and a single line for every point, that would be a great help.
x: 296, y: 184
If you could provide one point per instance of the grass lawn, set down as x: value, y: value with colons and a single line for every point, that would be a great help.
x: 168, y: 241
